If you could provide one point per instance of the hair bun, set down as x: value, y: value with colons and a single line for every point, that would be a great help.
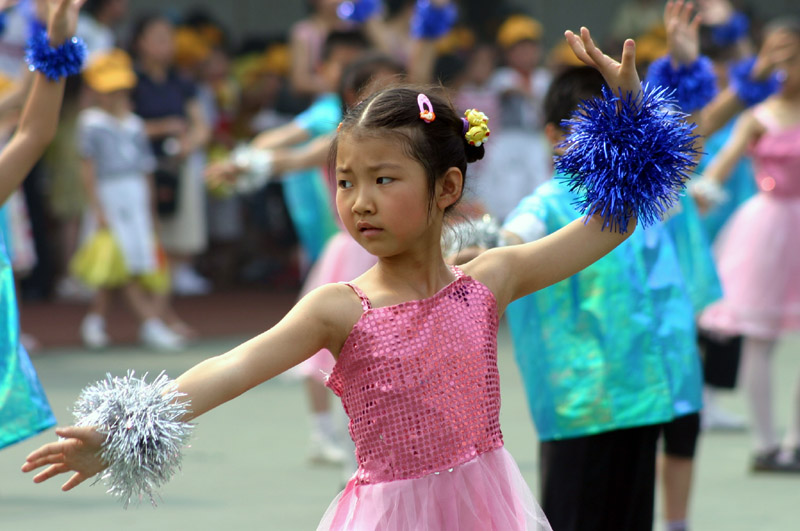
x: 473, y: 153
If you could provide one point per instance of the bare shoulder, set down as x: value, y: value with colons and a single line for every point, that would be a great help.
x: 491, y: 268
x: 337, y: 307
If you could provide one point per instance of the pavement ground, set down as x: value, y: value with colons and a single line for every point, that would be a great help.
x: 246, y: 467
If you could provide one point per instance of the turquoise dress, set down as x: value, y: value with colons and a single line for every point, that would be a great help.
x: 613, y: 346
x: 24, y: 410
x: 305, y: 192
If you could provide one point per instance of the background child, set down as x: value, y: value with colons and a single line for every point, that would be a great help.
x: 117, y: 166
x: 757, y: 250
x: 600, y: 382
x: 415, y: 340
x: 24, y: 410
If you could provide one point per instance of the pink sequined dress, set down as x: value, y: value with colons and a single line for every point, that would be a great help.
x: 420, y: 384
x: 758, y: 252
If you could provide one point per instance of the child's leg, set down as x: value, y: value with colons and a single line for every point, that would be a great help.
x: 792, y: 440
x: 99, y: 304
x: 677, y: 465
x: 139, y: 301
x: 93, y: 326
x: 757, y: 380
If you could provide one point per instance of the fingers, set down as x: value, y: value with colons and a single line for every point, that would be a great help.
x: 592, y: 50
x: 628, y: 59
x: 578, y: 49
x: 83, y: 433
x: 49, y: 472
x: 76, y: 479
x: 53, y: 448
x: 42, y: 461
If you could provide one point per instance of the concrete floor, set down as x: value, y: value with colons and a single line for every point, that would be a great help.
x: 246, y: 466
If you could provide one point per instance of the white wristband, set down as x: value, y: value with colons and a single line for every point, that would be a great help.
x: 255, y: 165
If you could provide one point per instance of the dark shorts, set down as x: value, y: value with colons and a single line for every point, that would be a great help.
x: 680, y: 436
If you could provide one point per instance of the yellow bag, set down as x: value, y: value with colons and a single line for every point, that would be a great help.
x: 158, y: 281
x: 99, y: 262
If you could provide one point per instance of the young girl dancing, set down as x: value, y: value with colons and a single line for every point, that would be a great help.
x: 415, y: 340
x: 24, y: 410
x: 758, y: 254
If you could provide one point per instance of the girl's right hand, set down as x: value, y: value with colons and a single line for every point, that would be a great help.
x: 683, y: 32
x: 778, y: 47
x: 77, y: 451
x: 618, y: 75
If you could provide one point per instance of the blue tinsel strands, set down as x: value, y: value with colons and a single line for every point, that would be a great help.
x: 145, y: 435
x: 430, y: 21
x: 55, y: 63
x: 695, y: 85
x: 730, y: 32
x: 359, y: 11
x: 627, y: 157
x: 750, y: 91
x: 2, y: 23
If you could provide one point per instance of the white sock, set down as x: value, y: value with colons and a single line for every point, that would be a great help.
x: 757, y: 381
x: 678, y: 525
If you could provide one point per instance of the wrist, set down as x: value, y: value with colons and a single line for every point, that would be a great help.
x: 54, y: 62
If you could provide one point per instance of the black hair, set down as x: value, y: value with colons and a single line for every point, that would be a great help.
x: 141, y: 25
x: 437, y: 146
x: 359, y: 74
x: 568, y: 89
x: 93, y: 7
x: 349, y: 38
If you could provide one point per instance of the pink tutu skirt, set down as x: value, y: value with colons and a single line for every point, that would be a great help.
x: 487, y: 493
x: 758, y: 257
x: 342, y: 260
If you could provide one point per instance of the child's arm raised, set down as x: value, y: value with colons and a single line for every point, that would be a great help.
x: 322, y: 319
x: 39, y: 119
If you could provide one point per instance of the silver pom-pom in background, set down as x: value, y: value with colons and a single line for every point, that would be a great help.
x: 144, y: 433
x: 483, y: 232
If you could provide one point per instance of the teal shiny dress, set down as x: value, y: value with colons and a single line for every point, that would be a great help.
x: 613, y: 346
x: 304, y: 191
x: 24, y: 410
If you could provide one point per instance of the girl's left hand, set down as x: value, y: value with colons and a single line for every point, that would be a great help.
x: 62, y: 19
x: 618, y: 75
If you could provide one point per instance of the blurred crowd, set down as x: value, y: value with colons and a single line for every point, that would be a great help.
x: 201, y: 90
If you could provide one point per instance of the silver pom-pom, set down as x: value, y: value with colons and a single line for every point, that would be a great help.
x: 144, y: 433
x: 483, y: 232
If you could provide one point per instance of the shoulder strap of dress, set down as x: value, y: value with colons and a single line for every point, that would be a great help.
x: 457, y: 271
x: 365, y: 304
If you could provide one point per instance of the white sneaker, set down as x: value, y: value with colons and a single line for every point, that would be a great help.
x: 155, y: 334
x: 186, y: 281
x: 714, y: 418
x: 93, y: 331
x: 323, y: 450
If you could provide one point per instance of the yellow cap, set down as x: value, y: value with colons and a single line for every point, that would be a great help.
x: 190, y: 47
x: 518, y: 28
x: 110, y: 71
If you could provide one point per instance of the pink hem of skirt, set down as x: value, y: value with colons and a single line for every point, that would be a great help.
x: 487, y: 493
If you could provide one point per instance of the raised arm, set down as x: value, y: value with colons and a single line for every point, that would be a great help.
x: 745, y: 132
x: 39, y: 120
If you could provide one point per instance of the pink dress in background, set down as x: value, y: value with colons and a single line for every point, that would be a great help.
x: 758, y: 250
x: 420, y: 384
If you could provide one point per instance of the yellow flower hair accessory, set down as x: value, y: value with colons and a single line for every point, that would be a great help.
x: 476, y: 127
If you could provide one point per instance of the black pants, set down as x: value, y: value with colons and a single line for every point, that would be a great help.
x: 600, y: 482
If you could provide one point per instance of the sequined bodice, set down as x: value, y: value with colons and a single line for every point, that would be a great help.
x: 420, y: 384
x: 776, y: 158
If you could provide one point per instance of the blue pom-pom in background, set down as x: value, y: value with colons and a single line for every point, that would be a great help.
x: 358, y: 11
x: 627, y: 157
x: 748, y: 89
x: 430, y: 21
x: 55, y: 63
x: 694, y: 84
x: 730, y: 32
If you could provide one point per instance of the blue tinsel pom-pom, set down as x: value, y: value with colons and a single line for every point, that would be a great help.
x: 695, y: 85
x: 627, y: 157
x: 730, y: 32
x: 358, y: 11
x: 746, y: 88
x: 430, y: 21
x: 2, y: 23
x: 55, y: 63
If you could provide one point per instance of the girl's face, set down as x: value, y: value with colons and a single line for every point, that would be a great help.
x: 157, y: 43
x: 382, y: 195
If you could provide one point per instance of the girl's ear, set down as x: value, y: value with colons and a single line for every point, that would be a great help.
x: 449, y: 188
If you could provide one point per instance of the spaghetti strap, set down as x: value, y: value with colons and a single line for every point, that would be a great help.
x: 457, y: 271
x: 365, y: 304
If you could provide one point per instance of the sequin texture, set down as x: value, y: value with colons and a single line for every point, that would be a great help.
x: 420, y: 384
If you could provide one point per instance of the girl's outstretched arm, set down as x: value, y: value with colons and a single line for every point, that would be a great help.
x: 39, y: 119
x: 322, y: 319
